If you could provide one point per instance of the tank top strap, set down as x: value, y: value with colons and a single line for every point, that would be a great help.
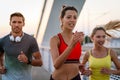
x: 90, y: 51
x: 109, y: 51
x: 60, y: 37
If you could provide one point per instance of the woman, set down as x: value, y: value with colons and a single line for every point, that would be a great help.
x: 66, y: 47
x: 100, y: 57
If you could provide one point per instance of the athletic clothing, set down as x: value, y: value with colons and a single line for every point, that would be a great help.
x: 17, y: 70
x: 96, y: 64
x: 74, y: 54
x: 77, y: 77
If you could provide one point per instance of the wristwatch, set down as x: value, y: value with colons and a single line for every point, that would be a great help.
x: 29, y: 61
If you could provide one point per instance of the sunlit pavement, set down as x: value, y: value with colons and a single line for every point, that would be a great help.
x: 39, y: 73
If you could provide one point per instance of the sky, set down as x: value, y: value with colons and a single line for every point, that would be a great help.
x: 94, y: 12
x: 31, y: 9
x: 97, y: 12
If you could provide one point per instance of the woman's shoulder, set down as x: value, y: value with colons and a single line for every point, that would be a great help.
x: 87, y: 53
x: 112, y: 51
x: 54, y: 39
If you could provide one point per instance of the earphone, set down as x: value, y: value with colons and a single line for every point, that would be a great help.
x: 16, y: 39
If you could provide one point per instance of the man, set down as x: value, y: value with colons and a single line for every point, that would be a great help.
x: 18, y: 51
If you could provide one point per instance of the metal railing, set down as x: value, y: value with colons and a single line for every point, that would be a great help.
x: 47, y: 60
x: 48, y: 65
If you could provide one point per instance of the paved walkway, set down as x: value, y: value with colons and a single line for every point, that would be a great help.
x: 39, y: 73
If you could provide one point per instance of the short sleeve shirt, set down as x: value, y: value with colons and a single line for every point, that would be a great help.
x: 17, y: 70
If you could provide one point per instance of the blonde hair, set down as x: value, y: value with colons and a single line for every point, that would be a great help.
x: 96, y: 29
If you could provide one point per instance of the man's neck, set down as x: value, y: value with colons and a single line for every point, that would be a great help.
x: 17, y: 34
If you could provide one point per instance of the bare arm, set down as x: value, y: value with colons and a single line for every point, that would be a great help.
x: 1, y: 59
x: 116, y: 62
x: 37, y: 60
x: 83, y: 70
x: 114, y: 58
x: 85, y: 58
x: 58, y: 60
x: 83, y: 62
x: 2, y: 68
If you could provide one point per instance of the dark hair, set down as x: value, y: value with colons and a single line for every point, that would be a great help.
x: 65, y: 8
x: 96, y: 29
x: 18, y: 14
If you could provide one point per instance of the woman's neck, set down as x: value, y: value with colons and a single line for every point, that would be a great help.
x: 66, y: 31
x: 99, y: 48
x: 67, y: 34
